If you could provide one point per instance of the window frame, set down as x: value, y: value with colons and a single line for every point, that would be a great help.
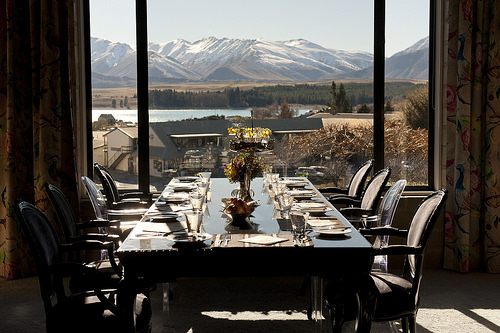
x: 378, y: 91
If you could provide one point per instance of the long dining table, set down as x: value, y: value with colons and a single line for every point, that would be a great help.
x: 260, y: 245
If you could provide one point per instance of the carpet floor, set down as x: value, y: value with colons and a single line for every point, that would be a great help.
x: 450, y: 302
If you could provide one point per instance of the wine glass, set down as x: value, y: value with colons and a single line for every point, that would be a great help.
x: 299, y: 223
x: 285, y: 203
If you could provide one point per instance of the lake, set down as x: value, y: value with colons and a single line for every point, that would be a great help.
x: 156, y: 116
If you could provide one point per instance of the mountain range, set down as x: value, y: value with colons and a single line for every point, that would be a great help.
x: 247, y: 60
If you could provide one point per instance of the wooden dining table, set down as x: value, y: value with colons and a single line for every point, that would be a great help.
x: 158, y: 250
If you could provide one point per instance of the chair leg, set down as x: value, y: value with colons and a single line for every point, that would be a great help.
x: 338, y: 318
x: 367, y: 303
x: 404, y: 324
x: 412, y: 324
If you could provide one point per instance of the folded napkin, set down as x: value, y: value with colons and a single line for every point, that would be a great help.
x: 309, y: 205
x: 331, y: 222
x: 263, y: 240
x: 301, y: 193
x: 155, y: 230
x: 180, y: 208
x: 182, y: 186
x: 174, y: 196
x: 294, y: 182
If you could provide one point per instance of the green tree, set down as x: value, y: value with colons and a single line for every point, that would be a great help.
x: 416, y: 108
x: 388, y: 106
x: 364, y: 109
x: 333, y: 102
x: 113, y: 103
x: 121, y: 103
x: 125, y: 101
x: 342, y: 102
x: 285, y: 110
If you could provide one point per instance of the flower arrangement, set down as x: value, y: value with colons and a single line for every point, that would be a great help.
x: 252, y: 134
x: 241, y: 165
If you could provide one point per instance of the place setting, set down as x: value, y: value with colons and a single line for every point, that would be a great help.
x: 182, y: 186
x: 328, y: 226
x: 312, y: 207
x: 192, y: 235
x: 302, y: 194
x: 173, y: 197
x: 294, y: 183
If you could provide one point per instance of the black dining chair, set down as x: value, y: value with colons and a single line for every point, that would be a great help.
x: 389, y: 296
x: 383, y: 218
x: 368, y: 204
x: 126, y: 218
x: 117, y: 200
x: 72, y: 228
x: 90, y: 310
x: 108, y: 268
x: 356, y: 185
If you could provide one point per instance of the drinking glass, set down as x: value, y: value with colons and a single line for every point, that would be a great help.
x: 196, y: 199
x: 193, y: 221
x: 205, y: 175
x: 278, y: 189
x: 299, y: 223
x: 202, y: 187
x: 274, y: 177
x: 285, y: 202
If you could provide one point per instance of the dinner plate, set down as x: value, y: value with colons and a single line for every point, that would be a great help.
x: 183, y: 237
x: 324, y: 223
x: 304, y: 194
x: 174, y: 197
x: 294, y: 182
x: 165, y: 217
x: 303, y: 205
x: 333, y: 231
x: 182, y: 186
x: 187, y: 179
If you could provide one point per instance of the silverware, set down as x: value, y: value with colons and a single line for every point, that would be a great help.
x: 227, y: 239
x: 221, y: 239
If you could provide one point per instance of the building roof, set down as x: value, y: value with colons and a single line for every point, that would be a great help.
x: 131, y: 132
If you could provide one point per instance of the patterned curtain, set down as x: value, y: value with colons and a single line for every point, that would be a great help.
x: 36, y: 126
x: 472, y: 79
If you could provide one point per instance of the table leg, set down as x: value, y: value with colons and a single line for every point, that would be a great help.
x: 166, y: 303
x: 317, y: 302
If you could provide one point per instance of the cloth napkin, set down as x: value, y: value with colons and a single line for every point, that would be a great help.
x: 332, y: 221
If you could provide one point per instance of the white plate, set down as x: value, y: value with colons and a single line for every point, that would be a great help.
x: 174, y: 197
x: 187, y: 179
x: 182, y: 237
x: 182, y: 186
x: 163, y: 218
x: 294, y: 183
x: 334, y: 231
x: 302, y: 205
x: 324, y: 223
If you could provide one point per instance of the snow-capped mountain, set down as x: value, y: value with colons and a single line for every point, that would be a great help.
x: 411, y: 63
x: 213, y: 59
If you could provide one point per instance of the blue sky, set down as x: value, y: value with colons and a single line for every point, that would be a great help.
x: 336, y: 24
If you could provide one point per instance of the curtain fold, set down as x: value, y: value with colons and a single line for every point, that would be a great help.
x: 472, y: 153
x: 36, y: 123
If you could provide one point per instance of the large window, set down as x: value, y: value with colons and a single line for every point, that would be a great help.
x: 114, y: 88
x: 318, y: 74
